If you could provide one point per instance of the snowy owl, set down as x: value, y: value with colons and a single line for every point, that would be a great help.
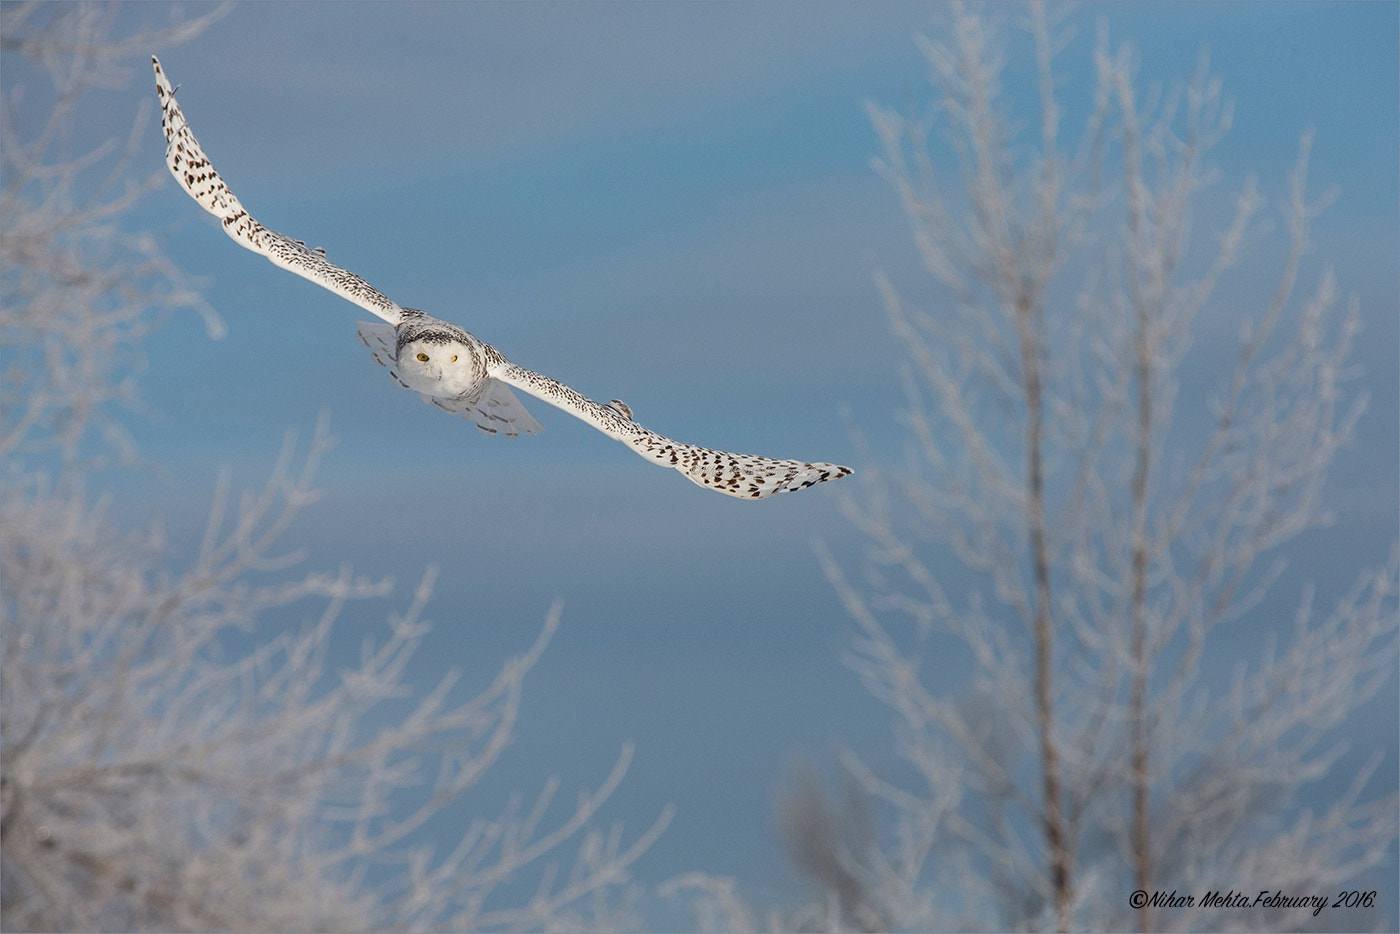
x: 449, y: 367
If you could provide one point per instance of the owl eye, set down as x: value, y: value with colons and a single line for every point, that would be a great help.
x: 454, y: 358
x: 422, y: 358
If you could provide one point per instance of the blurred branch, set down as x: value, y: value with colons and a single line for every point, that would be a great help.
x: 1103, y: 523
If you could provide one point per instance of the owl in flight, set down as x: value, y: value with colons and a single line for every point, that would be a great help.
x: 449, y: 367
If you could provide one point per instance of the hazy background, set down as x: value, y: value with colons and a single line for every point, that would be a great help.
x: 670, y: 204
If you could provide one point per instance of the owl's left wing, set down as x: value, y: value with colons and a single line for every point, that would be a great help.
x: 195, y: 173
x: 493, y: 407
x: 747, y: 476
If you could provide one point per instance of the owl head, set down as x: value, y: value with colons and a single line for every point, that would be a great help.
x: 439, y: 364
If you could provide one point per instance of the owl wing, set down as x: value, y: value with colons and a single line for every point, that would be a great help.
x: 746, y: 476
x: 195, y: 173
x: 493, y: 407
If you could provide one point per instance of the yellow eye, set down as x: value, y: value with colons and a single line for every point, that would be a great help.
x: 422, y: 358
x: 454, y: 358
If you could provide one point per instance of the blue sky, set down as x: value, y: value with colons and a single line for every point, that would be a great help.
x: 671, y: 204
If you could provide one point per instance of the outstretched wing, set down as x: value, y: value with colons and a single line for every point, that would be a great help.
x: 195, y: 173
x: 747, y: 476
x: 493, y: 406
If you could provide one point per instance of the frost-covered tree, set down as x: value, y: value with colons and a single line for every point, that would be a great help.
x: 80, y: 291
x: 1082, y: 529
x: 169, y: 759
x: 1111, y: 543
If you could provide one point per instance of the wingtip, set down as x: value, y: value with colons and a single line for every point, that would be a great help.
x: 162, y: 82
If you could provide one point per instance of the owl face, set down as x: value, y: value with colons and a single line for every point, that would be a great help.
x: 439, y: 367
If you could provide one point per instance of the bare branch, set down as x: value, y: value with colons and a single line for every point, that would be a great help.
x: 1110, y: 524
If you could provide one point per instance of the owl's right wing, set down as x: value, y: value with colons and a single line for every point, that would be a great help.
x: 746, y: 476
x: 195, y: 173
x: 493, y: 407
